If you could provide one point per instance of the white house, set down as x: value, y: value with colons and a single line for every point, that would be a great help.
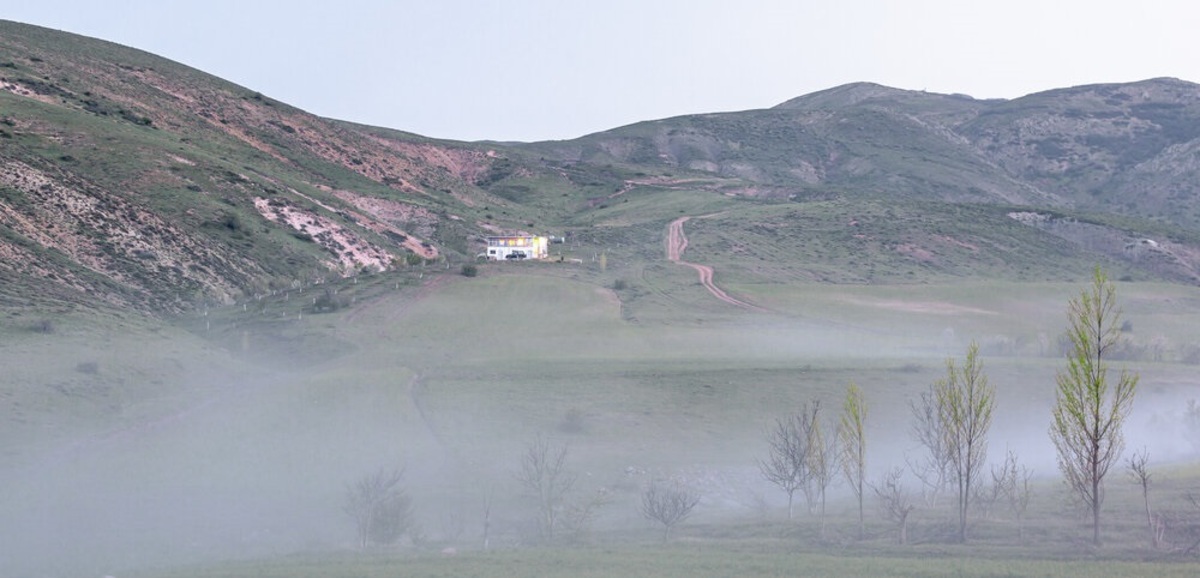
x: 516, y: 247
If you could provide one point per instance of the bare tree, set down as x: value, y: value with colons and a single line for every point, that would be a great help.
x: 853, y: 444
x: 933, y: 468
x: 823, y: 458
x: 579, y: 516
x: 1140, y: 473
x: 1190, y: 526
x: 1089, y: 414
x: 380, y: 508
x: 544, y: 475
x: 965, y: 402
x: 668, y: 504
x: 1012, y: 481
x: 487, y: 520
x: 787, y: 460
x: 895, y: 502
x: 809, y: 426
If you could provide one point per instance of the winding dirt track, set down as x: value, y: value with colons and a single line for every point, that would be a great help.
x: 677, y: 243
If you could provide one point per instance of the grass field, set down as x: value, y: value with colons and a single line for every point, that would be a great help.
x: 701, y: 560
x: 247, y: 426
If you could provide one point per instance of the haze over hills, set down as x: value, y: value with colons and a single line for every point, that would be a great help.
x: 127, y: 180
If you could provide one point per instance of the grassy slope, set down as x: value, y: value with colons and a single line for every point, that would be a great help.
x: 698, y: 560
x: 454, y: 381
x: 864, y: 154
x: 657, y: 378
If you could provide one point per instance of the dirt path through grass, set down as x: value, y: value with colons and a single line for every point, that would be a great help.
x: 677, y: 243
x: 415, y: 389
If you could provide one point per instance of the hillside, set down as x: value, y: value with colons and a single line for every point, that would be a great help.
x: 1126, y: 149
x: 179, y: 394
x: 130, y: 181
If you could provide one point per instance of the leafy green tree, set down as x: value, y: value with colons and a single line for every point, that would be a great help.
x: 853, y: 445
x: 1090, y: 410
x: 965, y: 401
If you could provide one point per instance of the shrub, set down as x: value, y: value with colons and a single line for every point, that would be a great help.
x: 327, y: 302
x: 380, y: 507
x: 231, y: 222
x: 470, y: 270
x: 572, y: 421
x: 668, y: 504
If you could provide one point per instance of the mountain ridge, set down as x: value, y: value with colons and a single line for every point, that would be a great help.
x: 128, y: 180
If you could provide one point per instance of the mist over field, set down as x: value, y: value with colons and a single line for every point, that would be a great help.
x: 237, y: 338
x: 237, y: 456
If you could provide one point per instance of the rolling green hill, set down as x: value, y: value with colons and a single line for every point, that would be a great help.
x: 128, y: 180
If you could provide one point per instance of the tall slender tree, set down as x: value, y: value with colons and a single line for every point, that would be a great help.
x: 965, y: 401
x: 1090, y: 411
x: 822, y: 458
x: 853, y: 443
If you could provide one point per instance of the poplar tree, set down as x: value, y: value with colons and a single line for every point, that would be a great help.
x: 853, y: 443
x: 1089, y: 410
x: 965, y: 401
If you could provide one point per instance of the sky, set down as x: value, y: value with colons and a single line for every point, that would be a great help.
x: 530, y: 70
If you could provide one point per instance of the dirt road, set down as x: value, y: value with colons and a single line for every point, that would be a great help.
x: 677, y: 243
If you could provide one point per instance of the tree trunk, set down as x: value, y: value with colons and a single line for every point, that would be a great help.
x: 1095, y: 510
x: 862, y: 521
x: 822, y: 534
x: 963, y: 496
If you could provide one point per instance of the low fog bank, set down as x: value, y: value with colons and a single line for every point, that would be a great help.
x: 234, y: 480
x: 258, y: 466
x: 231, y: 479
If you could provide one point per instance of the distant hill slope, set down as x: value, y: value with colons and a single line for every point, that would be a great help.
x: 128, y: 180
x: 138, y: 181
x: 1128, y: 149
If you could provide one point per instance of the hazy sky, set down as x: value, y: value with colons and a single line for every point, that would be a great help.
x: 554, y: 69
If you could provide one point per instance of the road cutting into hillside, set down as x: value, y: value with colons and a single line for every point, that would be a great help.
x: 677, y: 243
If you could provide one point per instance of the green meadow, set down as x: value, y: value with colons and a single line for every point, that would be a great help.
x: 246, y: 422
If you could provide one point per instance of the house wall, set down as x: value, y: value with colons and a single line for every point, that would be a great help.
x: 499, y: 248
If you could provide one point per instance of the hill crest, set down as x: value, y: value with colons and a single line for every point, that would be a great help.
x: 128, y: 180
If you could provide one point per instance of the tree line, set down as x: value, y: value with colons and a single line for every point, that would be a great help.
x: 951, y: 422
x: 808, y: 452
